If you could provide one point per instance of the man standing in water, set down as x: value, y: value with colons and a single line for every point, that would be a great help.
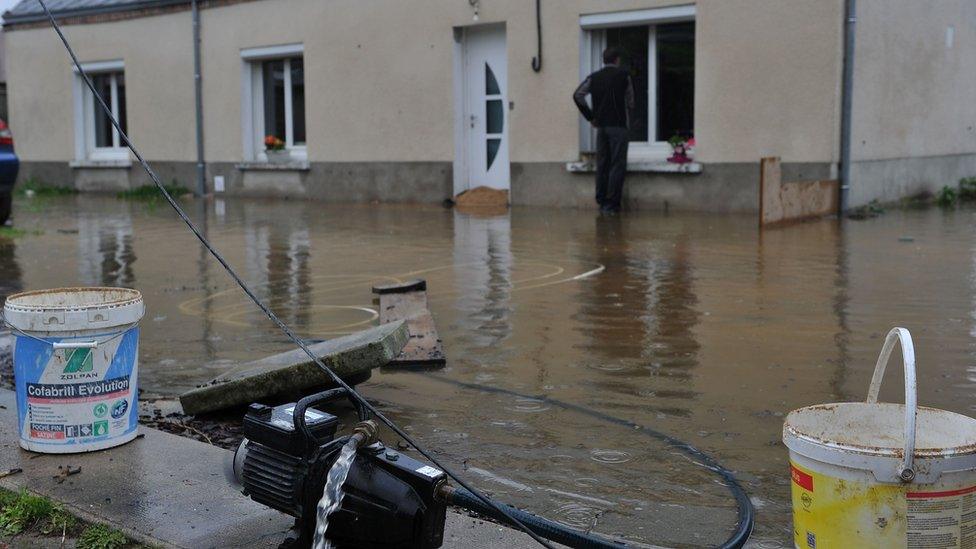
x: 612, y: 95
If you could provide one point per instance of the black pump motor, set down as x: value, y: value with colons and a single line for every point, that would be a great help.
x: 390, y: 499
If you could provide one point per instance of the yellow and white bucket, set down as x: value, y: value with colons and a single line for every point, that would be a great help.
x: 872, y: 474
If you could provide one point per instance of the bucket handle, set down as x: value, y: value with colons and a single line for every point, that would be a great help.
x: 906, y: 472
x: 75, y: 345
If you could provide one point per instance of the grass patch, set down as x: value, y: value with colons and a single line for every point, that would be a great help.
x: 150, y: 192
x: 32, y: 517
x: 16, y: 232
x: 99, y: 536
x: 34, y: 186
x: 24, y: 511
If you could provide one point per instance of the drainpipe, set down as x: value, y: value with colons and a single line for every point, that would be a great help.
x: 847, y: 92
x: 537, y: 60
x: 198, y: 84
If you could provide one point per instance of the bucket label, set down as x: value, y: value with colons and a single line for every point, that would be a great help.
x: 830, y: 512
x: 74, y: 398
x: 942, y: 520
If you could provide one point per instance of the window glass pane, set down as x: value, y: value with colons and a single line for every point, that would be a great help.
x: 493, y: 146
x: 633, y: 43
x: 103, y: 126
x: 495, y: 115
x: 274, y: 98
x: 675, y: 80
x: 120, y: 83
x: 491, y: 85
x: 298, y: 100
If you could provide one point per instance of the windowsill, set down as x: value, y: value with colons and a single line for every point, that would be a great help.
x: 640, y: 166
x: 291, y: 166
x: 102, y: 164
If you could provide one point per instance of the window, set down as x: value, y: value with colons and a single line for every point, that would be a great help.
x: 96, y: 137
x: 658, y: 47
x: 274, y: 97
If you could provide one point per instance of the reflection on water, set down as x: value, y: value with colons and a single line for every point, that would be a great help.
x: 699, y: 326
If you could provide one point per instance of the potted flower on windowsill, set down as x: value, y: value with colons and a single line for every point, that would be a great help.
x: 274, y: 148
x: 679, y: 146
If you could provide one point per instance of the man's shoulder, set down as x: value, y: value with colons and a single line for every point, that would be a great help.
x: 610, y: 71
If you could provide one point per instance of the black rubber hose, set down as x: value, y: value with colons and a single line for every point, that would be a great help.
x: 552, y: 531
x: 746, y: 512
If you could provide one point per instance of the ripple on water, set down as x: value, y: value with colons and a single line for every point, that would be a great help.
x: 529, y: 405
x: 576, y: 515
x: 586, y: 482
x: 610, y: 456
x: 608, y: 367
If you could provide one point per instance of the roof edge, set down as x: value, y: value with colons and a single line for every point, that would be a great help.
x: 13, y: 20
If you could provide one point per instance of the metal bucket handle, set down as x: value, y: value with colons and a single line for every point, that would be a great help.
x: 906, y: 472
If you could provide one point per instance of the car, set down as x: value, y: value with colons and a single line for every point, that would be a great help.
x: 9, y: 166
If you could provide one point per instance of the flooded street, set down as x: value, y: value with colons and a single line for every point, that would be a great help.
x: 699, y: 327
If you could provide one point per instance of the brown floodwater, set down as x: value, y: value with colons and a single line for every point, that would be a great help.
x: 701, y: 327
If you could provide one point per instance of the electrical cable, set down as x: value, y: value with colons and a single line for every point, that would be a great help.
x: 746, y: 511
x: 267, y: 311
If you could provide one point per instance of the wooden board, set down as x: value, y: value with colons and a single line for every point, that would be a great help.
x: 783, y: 202
x: 408, y: 302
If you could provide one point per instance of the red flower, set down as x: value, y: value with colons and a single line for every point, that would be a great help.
x: 273, y: 143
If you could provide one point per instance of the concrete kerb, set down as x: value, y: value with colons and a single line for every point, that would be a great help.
x: 170, y: 491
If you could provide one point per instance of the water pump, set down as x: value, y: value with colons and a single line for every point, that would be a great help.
x: 391, y: 500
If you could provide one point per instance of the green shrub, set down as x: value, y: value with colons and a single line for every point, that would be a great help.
x: 947, y: 196
x: 99, y: 536
x: 967, y: 188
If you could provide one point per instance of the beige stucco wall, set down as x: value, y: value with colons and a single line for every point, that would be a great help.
x: 159, y: 85
x: 379, y: 78
x: 913, y: 95
x: 768, y: 79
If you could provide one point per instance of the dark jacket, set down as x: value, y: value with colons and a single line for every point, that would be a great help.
x: 613, y: 95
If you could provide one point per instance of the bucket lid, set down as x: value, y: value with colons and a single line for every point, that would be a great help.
x: 879, y: 429
x: 870, y: 435
x: 68, y: 309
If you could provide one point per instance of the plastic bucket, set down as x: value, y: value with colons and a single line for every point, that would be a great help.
x: 870, y: 474
x: 76, y: 360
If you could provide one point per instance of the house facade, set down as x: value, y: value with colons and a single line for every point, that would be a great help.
x: 420, y: 100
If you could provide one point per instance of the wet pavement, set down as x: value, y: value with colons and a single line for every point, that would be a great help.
x: 696, y: 326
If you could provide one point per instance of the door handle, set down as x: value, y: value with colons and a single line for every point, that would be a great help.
x: 473, y: 118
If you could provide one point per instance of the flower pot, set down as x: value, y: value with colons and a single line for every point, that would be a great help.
x: 278, y: 157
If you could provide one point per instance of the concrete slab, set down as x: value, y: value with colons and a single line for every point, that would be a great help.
x: 408, y: 302
x: 293, y: 372
x: 169, y: 491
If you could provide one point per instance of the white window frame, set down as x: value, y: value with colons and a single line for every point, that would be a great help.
x: 85, y: 149
x: 252, y: 101
x: 592, y: 43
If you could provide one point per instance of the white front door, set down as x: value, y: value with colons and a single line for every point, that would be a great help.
x: 484, y: 112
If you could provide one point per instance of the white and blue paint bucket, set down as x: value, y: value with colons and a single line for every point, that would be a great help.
x: 76, y: 362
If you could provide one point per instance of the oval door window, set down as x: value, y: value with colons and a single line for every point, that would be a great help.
x: 493, y: 146
x: 491, y: 84
x: 494, y: 115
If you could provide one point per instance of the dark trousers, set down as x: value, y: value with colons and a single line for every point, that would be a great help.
x: 611, y: 166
